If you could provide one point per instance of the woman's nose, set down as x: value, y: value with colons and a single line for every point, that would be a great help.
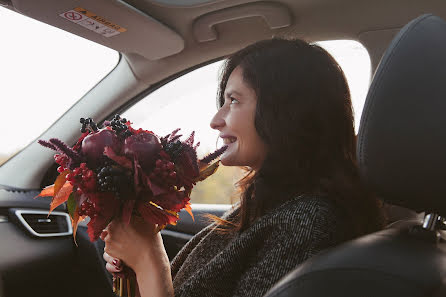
x: 217, y: 121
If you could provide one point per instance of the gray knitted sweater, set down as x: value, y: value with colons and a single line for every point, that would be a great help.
x: 250, y: 263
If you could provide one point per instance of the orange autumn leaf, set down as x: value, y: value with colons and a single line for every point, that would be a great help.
x: 154, y: 214
x: 75, y: 222
x: 52, y: 190
x: 205, y: 172
x: 202, y: 165
x: 61, y: 196
x: 60, y: 181
x: 48, y: 191
x: 189, y: 210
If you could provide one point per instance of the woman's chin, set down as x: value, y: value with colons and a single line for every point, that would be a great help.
x: 227, y: 161
x: 224, y: 162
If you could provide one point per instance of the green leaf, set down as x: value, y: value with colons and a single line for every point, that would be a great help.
x: 71, y: 205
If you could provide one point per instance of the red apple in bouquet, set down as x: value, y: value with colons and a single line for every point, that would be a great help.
x: 94, y: 144
x: 144, y: 147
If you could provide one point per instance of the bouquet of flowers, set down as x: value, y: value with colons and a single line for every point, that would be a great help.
x: 118, y: 171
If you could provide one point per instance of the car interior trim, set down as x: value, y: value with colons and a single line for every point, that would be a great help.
x: 134, y: 20
x: 20, y: 212
x: 275, y: 15
x: 431, y: 221
x: 5, y: 3
x: 182, y: 3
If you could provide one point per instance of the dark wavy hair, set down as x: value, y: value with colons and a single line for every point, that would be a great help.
x: 304, y: 115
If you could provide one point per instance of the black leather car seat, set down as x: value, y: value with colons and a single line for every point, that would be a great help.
x: 402, y: 158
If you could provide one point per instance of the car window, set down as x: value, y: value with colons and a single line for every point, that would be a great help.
x: 354, y: 60
x: 189, y: 103
x: 43, y: 72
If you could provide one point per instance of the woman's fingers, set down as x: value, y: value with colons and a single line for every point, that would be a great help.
x: 112, y: 268
x: 103, y: 234
x: 112, y: 261
x: 113, y: 265
x: 107, y: 258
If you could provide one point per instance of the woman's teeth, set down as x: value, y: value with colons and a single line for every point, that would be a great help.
x: 229, y: 140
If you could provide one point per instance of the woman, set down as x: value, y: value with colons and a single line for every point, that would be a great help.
x: 285, y: 113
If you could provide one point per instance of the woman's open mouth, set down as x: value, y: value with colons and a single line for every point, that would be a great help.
x: 229, y: 140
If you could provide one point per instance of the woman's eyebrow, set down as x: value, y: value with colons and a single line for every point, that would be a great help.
x: 230, y: 93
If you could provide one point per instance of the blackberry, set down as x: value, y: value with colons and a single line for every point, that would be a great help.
x: 174, y: 149
x: 104, y: 161
x: 115, y: 179
x: 88, y: 124
x: 118, y: 124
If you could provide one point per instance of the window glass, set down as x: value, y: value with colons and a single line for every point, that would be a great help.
x: 43, y: 72
x: 189, y: 103
x: 355, y: 62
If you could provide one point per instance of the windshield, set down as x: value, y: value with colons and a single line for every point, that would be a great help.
x: 43, y: 72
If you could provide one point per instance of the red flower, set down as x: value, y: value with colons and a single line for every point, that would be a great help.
x: 107, y: 205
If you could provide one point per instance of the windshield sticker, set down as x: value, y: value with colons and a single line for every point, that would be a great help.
x: 92, y: 22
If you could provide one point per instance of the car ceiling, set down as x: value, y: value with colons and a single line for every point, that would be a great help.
x: 160, y: 40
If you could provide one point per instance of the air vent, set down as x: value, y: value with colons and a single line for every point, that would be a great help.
x: 38, y: 223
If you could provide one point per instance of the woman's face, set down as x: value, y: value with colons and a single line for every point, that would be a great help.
x: 235, y: 121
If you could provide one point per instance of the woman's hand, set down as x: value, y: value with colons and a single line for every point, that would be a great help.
x: 113, y: 265
x: 135, y: 244
x: 140, y: 247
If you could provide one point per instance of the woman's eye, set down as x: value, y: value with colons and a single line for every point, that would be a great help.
x: 233, y: 100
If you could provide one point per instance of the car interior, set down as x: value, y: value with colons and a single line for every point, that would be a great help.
x: 400, y: 148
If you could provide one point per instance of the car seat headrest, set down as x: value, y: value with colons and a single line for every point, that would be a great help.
x: 402, y: 135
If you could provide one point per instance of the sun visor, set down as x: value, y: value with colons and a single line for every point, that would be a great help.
x: 114, y: 24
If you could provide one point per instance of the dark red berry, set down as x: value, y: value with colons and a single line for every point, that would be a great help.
x: 159, y: 163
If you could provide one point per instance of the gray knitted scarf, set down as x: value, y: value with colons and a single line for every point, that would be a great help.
x: 213, y: 263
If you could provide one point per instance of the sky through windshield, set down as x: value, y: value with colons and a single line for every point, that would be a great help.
x: 44, y: 71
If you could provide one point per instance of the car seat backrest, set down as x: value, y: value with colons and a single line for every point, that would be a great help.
x: 402, y: 158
